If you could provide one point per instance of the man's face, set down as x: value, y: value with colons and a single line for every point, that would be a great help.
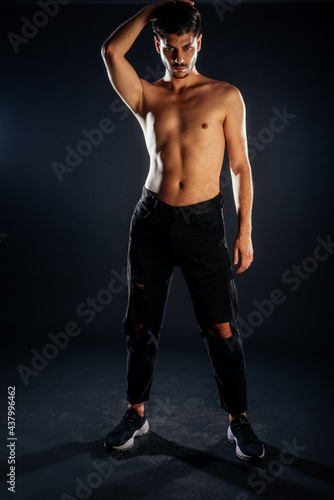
x: 178, y: 53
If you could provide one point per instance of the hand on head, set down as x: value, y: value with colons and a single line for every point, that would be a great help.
x: 163, y: 2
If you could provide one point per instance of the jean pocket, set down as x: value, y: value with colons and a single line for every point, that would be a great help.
x: 142, y: 210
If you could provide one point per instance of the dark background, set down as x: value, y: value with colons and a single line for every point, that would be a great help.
x: 61, y: 240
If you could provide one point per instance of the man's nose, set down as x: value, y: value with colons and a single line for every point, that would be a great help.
x: 178, y: 58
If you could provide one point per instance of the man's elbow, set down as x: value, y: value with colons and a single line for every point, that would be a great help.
x: 240, y: 167
x: 105, y: 48
x: 109, y: 52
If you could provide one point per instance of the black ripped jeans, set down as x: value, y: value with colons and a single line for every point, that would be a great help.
x: 193, y: 238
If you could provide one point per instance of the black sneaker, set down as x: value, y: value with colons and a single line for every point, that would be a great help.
x: 247, y: 443
x: 131, y: 425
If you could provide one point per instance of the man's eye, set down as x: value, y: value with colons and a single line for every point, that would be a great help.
x: 168, y: 49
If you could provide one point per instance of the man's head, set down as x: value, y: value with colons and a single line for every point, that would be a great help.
x: 178, y: 40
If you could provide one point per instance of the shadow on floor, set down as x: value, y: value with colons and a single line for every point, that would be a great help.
x: 155, y: 463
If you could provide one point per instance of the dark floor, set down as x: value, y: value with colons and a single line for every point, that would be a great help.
x: 66, y: 410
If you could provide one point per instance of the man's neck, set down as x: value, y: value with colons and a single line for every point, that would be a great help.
x: 180, y: 84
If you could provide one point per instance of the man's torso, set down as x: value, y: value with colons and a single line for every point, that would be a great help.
x: 185, y: 139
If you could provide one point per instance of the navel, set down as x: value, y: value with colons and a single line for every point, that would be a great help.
x: 204, y: 125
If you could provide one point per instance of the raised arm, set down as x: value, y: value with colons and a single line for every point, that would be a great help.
x: 123, y: 77
x: 236, y: 141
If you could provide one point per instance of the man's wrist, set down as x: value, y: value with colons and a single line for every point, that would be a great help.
x: 245, y: 225
x: 245, y: 232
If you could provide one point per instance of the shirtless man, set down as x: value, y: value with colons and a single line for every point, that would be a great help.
x: 186, y: 119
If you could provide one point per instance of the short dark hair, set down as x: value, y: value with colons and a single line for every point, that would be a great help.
x: 177, y: 18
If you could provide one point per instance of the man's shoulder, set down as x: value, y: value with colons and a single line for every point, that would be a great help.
x: 227, y: 88
x: 230, y: 94
x: 221, y: 88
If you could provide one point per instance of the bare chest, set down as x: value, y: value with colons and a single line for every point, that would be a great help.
x: 183, y: 115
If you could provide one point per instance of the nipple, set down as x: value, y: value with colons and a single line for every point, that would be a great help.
x: 204, y: 125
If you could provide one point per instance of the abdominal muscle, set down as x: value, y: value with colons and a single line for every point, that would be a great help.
x: 184, y: 177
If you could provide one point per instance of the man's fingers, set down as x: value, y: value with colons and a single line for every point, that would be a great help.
x: 243, y: 253
x: 237, y: 252
x: 241, y: 268
x: 235, y: 255
x: 245, y: 260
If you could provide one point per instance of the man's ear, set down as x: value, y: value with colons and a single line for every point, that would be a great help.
x: 199, y: 42
x: 157, y: 43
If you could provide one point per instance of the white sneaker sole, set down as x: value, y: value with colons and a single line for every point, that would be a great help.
x: 231, y: 437
x: 129, y: 444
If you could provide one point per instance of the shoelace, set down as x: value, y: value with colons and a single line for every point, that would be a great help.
x: 245, y: 429
x: 128, y: 419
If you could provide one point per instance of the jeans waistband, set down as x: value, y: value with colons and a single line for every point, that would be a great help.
x: 197, y: 208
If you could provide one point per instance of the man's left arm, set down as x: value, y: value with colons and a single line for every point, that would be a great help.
x: 236, y: 141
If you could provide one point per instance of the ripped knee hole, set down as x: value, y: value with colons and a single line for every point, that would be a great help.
x: 222, y: 330
x: 137, y: 332
x: 141, y: 286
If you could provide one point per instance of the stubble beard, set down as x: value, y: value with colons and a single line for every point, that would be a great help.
x: 180, y: 77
